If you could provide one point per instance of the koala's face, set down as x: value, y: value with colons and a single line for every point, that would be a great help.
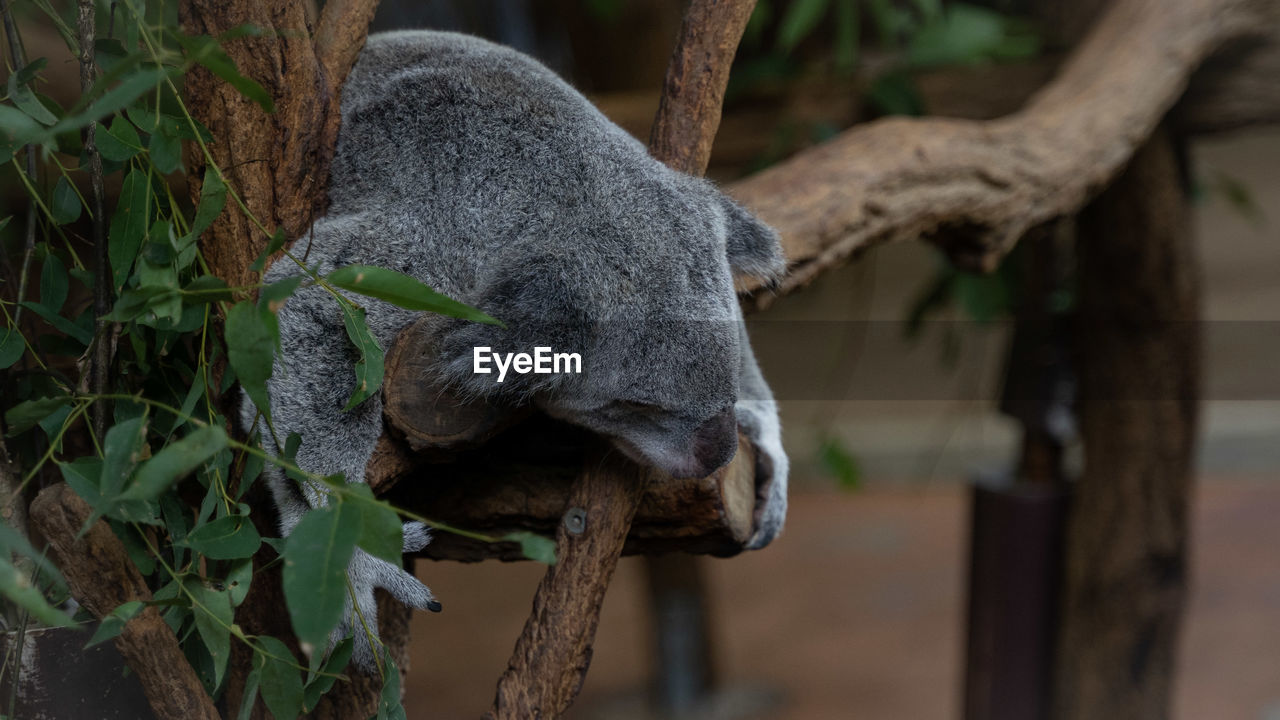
x: 645, y: 294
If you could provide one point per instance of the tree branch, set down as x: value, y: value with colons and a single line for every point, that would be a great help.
x: 975, y: 187
x: 101, y: 577
x: 341, y: 32
x: 693, y: 92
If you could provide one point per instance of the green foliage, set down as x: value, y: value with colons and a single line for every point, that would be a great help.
x: 166, y: 472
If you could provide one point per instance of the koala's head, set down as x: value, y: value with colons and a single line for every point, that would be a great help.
x: 638, y: 279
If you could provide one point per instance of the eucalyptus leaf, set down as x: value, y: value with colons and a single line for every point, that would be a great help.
x: 252, y: 336
x: 65, y: 205
x: 281, y: 684
x: 114, y: 622
x: 175, y: 461
x: 370, y: 367
x: 403, y: 291
x: 316, y: 556
x: 128, y: 225
x: 533, y: 546
x: 213, y: 617
x: 17, y: 588
x: 26, y: 414
x: 228, y: 538
x: 11, y: 347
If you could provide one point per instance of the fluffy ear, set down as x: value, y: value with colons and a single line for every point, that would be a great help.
x: 753, y: 247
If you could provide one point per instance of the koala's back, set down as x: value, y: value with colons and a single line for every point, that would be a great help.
x: 471, y: 147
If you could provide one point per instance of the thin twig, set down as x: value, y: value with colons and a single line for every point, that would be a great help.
x: 100, y: 360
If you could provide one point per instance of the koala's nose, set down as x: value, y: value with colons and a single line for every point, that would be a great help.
x: 714, y: 443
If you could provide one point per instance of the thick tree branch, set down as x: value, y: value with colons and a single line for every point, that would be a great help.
x: 975, y: 187
x: 693, y: 92
x: 101, y: 577
x: 341, y: 32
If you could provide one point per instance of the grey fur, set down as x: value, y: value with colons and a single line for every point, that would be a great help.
x: 477, y: 171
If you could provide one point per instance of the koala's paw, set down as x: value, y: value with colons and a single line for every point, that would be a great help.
x: 368, y: 572
x: 759, y: 421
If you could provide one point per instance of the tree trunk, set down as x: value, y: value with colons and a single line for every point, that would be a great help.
x: 1126, y: 562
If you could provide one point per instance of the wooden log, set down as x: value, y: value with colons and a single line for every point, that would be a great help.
x: 101, y: 577
x: 1125, y: 581
x: 522, y: 479
x: 975, y: 187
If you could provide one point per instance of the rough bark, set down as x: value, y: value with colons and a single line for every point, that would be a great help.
x: 1126, y: 546
x: 278, y: 162
x: 975, y: 187
x: 101, y: 577
x: 550, y: 660
x: 522, y: 481
x: 693, y: 92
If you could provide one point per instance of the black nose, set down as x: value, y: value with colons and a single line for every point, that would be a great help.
x: 714, y: 443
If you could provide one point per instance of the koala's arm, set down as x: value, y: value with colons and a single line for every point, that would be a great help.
x: 757, y: 415
x: 310, y: 385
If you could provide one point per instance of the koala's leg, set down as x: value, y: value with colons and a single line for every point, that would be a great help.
x: 309, y: 388
x: 757, y: 415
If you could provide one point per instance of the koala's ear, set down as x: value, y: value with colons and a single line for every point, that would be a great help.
x: 753, y: 247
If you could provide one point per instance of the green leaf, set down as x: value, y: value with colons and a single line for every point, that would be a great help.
x: 25, y: 99
x: 281, y: 684
x: 25, y: 415
x: 206, y: 289
x: 121, y: 451
x: 213, y: 197
x: 114, y: 622
x: 239, y: 578
x: 175, y: 461
x: 213, y: 616
x: 53, y: 283
x: 389, y: 707
x: 324, y: 680
x: 65, y: 207
x: 370, y: 368
x: 113, y: 100
x: 840, y: 463
x: 403, y: 291
x: 275, y: 243
x: 17, y: 126
x: 166, y: 152
x: 120, y: 142
x: 382, y: 533
x: 250, y: 692
x: 801, y: 17
x: 316, y: 556
x: 82, y: 334
x: 11, y: 347
x: 206, y: 51
x: 252, y: 335
x: 227, y: 538
x: 846, y: 39
x: 128, y: 225
x: 534, y: 546
x: 17, y: 588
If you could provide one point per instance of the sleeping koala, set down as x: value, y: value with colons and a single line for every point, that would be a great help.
x: 476, y: 170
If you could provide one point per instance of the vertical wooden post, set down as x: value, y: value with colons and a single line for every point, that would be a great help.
x: 1139, y: 346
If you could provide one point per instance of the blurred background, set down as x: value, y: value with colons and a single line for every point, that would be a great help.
x: 889, y: 374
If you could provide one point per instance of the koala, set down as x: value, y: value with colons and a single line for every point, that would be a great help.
x: 476, y: 170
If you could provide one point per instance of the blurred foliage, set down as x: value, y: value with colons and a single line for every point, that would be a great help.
x: 789, y: 38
